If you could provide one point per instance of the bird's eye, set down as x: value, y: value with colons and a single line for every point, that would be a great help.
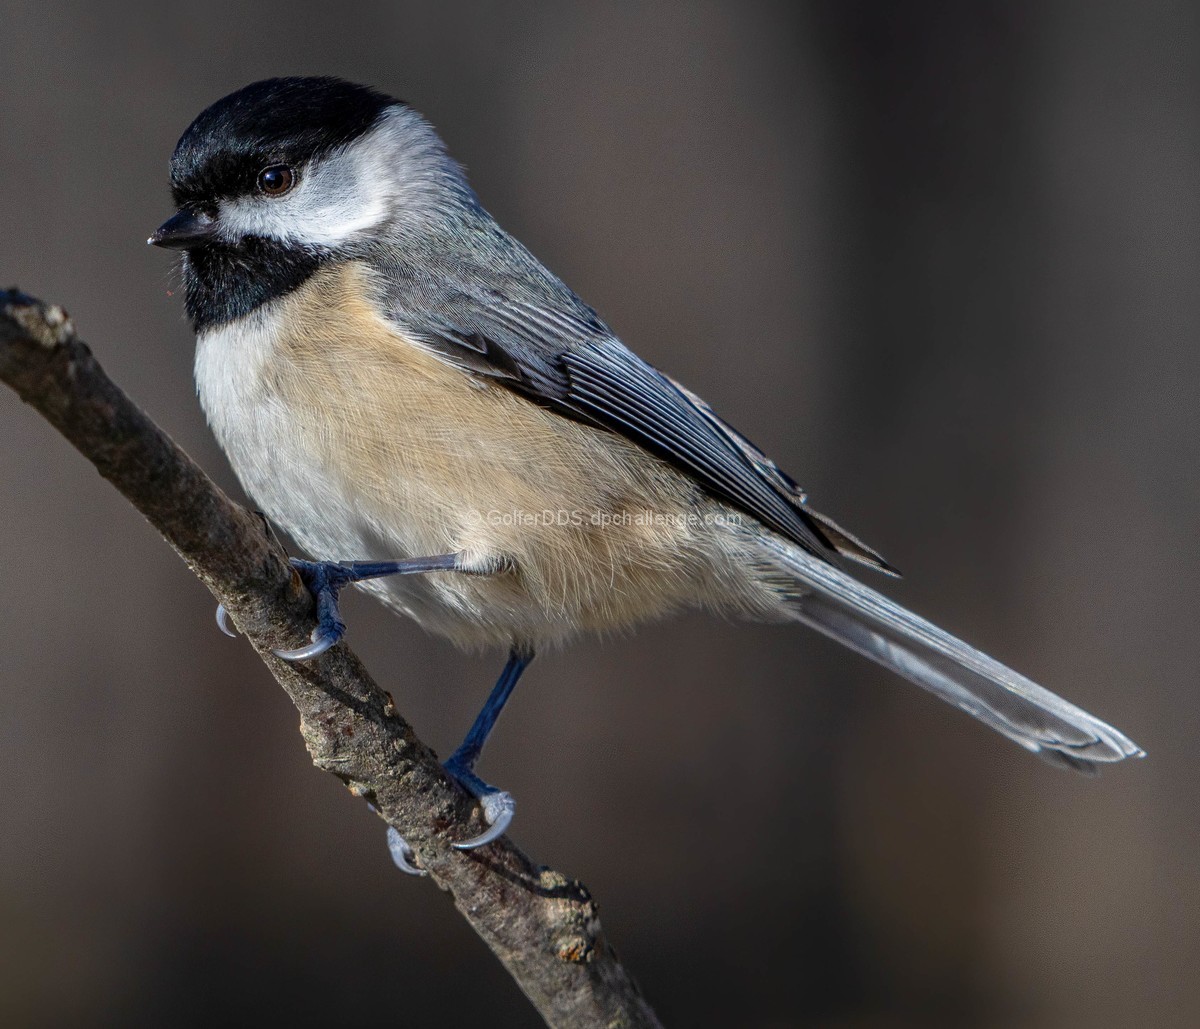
x: 275, y: 180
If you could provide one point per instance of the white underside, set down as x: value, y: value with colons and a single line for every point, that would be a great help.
x: 280, y: 473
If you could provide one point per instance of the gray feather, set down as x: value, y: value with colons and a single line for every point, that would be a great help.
x: 486, y: 305
x: 865, y: 621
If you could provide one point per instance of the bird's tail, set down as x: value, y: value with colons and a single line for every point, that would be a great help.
x: 832, y: 602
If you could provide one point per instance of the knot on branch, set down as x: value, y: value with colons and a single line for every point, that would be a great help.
x: 46, y: 324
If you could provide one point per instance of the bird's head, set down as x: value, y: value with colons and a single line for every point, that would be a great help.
x: 286, y: 174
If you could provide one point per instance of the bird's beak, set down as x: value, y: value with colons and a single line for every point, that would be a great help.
x: 185, y: 230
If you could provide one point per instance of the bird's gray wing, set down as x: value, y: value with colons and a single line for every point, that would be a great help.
x: 549, y: 346
x: 534, y: 336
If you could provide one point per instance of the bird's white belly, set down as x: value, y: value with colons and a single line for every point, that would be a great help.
x: 272, y: 453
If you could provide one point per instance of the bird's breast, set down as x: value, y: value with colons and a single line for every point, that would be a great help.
x: 364, y: 445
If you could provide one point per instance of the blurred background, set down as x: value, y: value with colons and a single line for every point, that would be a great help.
x: 938, y: 259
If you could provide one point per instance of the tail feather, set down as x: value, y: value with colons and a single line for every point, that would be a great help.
x: 867, y: 622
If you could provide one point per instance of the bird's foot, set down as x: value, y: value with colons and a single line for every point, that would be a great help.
x: 326, y: 579
x: 496, y: 806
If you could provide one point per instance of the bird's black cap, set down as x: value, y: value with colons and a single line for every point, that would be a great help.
x: 284, y: 121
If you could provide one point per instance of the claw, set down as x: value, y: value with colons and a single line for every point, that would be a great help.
x: 402, y: 855
x: 321, y: 643
x: 498, y: 809
x: 223, y: 621
x: 323, y: 582
x: 325, y: 579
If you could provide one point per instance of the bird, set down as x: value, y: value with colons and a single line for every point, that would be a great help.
x: 437, y: 418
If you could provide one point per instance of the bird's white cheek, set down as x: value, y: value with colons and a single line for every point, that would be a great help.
x: 396, y: 169
x: 333, y: 203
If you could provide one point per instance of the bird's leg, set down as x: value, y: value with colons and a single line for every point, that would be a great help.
x: 498, y: 807
x: 325, y: 579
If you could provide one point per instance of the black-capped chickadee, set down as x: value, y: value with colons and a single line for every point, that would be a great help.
x: 427, y: 410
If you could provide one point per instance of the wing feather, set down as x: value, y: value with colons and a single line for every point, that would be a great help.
x: 533, y: 335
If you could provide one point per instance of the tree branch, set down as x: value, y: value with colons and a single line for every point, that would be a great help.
x: 542, y: 925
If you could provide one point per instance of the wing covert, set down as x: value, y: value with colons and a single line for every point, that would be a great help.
x: 553, y: 349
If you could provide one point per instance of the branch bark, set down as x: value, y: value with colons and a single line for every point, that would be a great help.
x: 541, y: 924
